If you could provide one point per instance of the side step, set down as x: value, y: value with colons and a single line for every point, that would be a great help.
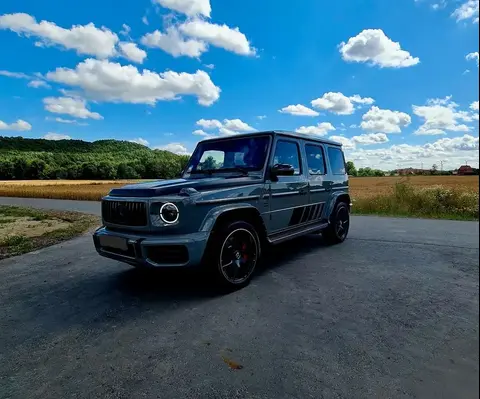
x: 282, y: 236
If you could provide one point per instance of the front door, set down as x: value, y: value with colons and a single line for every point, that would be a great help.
x: 289, y: 194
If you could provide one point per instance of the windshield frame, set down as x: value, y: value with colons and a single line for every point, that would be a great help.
x: 219, y: 173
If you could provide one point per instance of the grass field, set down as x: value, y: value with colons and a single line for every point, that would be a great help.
x: 452, y: 197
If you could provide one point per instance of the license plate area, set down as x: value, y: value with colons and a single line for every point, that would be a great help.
x: 115, y: 243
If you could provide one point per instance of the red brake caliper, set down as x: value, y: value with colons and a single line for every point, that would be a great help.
x: 245, y: 256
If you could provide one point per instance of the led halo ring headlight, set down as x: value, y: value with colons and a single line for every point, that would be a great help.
x: 169, y: 213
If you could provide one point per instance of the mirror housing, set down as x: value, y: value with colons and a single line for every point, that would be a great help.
x: 281, y: 169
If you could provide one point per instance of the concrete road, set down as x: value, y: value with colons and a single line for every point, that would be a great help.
x: 392, y: 312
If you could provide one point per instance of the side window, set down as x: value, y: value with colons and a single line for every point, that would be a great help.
x: 288, y: 152
x: 337, y: 161
x: 315, y: 159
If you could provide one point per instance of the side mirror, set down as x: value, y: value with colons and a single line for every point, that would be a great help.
x: 282, y: 169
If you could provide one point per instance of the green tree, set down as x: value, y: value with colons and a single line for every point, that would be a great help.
x: 351, y: 170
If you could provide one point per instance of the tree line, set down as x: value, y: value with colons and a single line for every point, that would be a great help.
x: 75, y: 159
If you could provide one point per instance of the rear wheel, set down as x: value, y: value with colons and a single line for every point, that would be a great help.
x: 337, y: 230
x: 233, y: 254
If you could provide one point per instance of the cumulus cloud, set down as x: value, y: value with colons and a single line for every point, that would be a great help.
x: 230, y: 39
x: 370, y: 138
x: 132, y: 52
x: 378, y: 120
x: 228, y: 127
x: 440, y: 115
x: 18, y: 126
x: 112, y: 82
x: 320, y: 129
x: 467, y: 11
x: 298, y: 110
x: 456, y: 150
x: 84, y: 39
x: 344, y: 141
x: 75, y: 107
x: 200, y: 132
x: 188, y: 7
x: 66, y: 121
x: 472, y: 56
x: 56, y: 136
x: 340, y: 104
x: 376, y: 48
x: 174, y: 43
x: 176, y: 148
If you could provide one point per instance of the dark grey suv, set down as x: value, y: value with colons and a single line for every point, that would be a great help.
x: 237, y: 195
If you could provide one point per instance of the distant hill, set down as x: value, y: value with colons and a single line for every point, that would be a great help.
x: 22, y: 158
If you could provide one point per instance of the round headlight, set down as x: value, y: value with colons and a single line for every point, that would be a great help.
x: 169, y: 213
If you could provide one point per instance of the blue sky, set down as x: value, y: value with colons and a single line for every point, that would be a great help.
x: 395, y: 81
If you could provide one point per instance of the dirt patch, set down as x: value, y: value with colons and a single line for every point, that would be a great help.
x: 24, y: 229
x: 29, y: 227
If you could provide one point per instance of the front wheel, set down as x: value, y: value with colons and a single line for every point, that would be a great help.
x: 337, y: 230
x: 233, y: 254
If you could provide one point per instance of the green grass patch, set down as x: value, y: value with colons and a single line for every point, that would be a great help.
x: 18, y: 243
x: 436, y: 202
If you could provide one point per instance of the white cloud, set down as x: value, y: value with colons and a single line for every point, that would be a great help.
x: 125, y: 30
x: 378, y: 120
x: 56, y: 136
x: 373, y: 46
x: 139, y: 140
x: 370, y: 138
x: 145, y: 20
x: 340, y: 104
x: 67, y: 121
x: 132, y: 52
x: 86, y: 39
x: 16, y: 75
x: 203, y: 134
x: 230, y: 39
x: 174, y: 43
x: 321, y: 129
x: 298, y: 110
x: 18, y: 126
x: 228, y: 127
x: 468, y: 10
x: 346, y: 143
x: 261, y: 117
x: 176, y: 148
x: 474, y: 106
x: 455, y: 150
x: 75, y: 107
x: 237, y: 125
x: 38, y: 83
x: 209, y: 66
x: 440, y: 115
x: 472, y: 56
x: 108, y: 81
x: 188, y: 7
x: 209, y: 123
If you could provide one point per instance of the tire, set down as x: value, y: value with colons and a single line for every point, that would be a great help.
x: 233, y: 254
x: 337, y: 230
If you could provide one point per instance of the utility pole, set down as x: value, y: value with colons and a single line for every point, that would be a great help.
x: 441, y: 166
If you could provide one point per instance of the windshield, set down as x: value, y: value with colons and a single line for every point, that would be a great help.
x: 243, y: 154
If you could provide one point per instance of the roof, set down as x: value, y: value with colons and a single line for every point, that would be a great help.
x: 287, y: 133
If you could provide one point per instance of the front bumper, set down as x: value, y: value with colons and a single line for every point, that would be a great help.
x: 154, y: 250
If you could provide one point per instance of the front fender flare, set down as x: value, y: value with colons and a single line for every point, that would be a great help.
x: 215, y: 213
x: 333, y: 200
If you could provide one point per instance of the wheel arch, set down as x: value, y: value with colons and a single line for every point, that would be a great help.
x: 341, y: 196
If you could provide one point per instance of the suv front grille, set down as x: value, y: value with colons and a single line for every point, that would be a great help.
x: 125, y: 213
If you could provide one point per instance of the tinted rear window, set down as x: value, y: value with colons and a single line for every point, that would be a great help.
x: 337, y: 161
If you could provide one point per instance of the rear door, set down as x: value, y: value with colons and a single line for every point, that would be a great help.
x: 288, y: 193
x: 320, y: 181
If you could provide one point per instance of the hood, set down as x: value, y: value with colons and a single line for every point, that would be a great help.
x: 181, y: 186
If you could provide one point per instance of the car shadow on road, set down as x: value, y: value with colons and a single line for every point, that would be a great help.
x: 183, y: 284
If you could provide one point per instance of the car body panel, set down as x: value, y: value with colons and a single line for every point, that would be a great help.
x: 286, y: 205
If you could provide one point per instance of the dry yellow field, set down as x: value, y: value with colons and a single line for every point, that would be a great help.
x: 361, y: 187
